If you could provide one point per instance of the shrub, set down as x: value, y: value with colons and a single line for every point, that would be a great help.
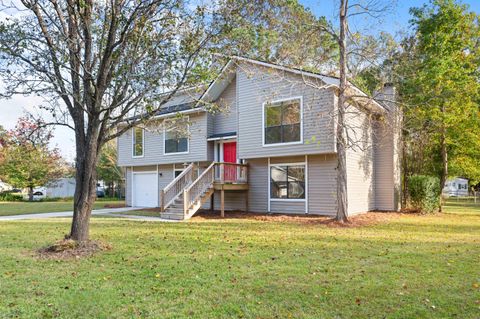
x: 424, y: 193
x: 10, y: 197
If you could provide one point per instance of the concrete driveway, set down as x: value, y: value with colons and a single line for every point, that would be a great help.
x: 104, y: 211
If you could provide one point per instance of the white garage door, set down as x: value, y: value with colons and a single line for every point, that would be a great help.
x: 145, y: 190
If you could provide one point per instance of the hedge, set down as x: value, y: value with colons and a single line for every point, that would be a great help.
x: 424, y: 193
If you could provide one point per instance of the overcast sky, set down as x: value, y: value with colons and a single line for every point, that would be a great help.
x: 393, y: 22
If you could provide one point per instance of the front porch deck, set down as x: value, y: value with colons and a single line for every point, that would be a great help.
x: 230, y: 177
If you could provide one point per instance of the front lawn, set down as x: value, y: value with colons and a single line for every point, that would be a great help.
x: 407, y: 266
x: 148, y: 212
x: 18, y: 208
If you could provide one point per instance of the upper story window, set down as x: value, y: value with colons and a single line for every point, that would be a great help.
x: 176, y: 136
x: 282, y: 121
x: 138, y: 137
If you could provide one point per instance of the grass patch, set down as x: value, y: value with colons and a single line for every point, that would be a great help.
x: 153, y: 212
x: 19, y: 208
x: 462, y: 205
x: 405, y: 267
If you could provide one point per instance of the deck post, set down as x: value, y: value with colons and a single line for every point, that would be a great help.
x: 162, y: 201
x: 222, y: 173
x: 212, y: 202
x: 222, y: 203
x: 246, y: 201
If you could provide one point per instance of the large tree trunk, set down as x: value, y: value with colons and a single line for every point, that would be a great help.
x: 85, y: 190
x: 30, y: 193
x: 405, y: 172
x: 342, y: 199
x: 444, y: 172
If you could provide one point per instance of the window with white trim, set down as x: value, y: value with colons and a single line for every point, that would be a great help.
x: 282, y: 121
x: 138, y: 135
x: 287, y: 181
x: 176, y: 136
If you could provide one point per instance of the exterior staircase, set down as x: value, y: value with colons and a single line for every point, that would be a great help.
x: 176, y: 210
x: 184, y: 196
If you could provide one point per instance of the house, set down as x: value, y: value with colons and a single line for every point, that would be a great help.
x: 456, y: 187
x: 5, y: 187
x: 61, y: 187
x: 261, y: 138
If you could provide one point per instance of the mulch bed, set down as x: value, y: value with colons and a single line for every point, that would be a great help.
x: 360, y: 220
x: 70, y: 249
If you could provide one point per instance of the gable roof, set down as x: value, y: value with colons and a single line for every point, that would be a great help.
x: 227, y: 73
x: 217, y: 86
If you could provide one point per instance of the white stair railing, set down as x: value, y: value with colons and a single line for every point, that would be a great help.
x: 176, y: 187
x: 193, y: 192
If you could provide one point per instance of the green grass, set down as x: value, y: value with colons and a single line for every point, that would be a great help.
x: 18, y: 208
x: 144, y: 212
x: 465, y: 206
x: 410, y: 267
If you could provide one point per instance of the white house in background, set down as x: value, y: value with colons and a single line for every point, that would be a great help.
x: 456, y: 187
x: 5, y: 187
x: 62, y: 187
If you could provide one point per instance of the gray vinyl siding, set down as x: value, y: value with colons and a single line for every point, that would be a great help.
x: 211, y: 151
x: 360, y: 181
x: 286, y: 207
x: 384, y: 190
x: 287, y: 159
x: 153, y: 145
x: 387, y: 152
x: 257, y: 85
x: 258, y: 185
x: 321, y: 188
x: 234, y: 200
x: 322, y: 184
x: 210, y: 123
x: 128, y: 186
x: 225, y: 119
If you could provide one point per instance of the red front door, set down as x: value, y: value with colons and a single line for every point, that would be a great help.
x: 230, y: 156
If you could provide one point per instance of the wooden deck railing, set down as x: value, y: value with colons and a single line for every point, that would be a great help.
x: 176, y: 187
x: 193, y: 192
x: 231, y: 173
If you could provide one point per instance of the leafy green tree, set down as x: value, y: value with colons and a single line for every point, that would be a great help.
x: 27, y: 162
x: 107, y: 169
x: 439, y: 85
x: 279, y: 31
x: 3, y: 136
x: 99, y: 62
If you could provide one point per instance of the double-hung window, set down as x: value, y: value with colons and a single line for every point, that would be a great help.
x: 283, y: 121
x: 138, y: 137
x: 176, y: 136
x: 287, y: 181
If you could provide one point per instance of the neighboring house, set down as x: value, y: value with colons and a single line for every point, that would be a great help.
x: 269, y: 148
x: 456, y: 187
x: 5, y: 187
x: 62, y: 187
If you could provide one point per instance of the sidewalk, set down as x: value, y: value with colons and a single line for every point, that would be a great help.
x: 104, y: 211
